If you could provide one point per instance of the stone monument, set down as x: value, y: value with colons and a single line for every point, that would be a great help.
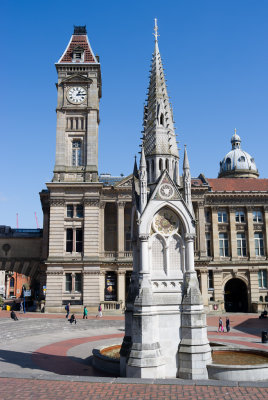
x: 165, y: 323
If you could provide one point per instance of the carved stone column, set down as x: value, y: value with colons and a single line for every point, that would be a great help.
x: 233, y: 240
x: 251, y: 242
x: 189, y: 252
x: 73, y: 282
x: 121, y: 228
x: 254, y: 285
x: 144, y: 261
x: 218, y: 289
x: 54, y: 285
x: 201, y: 230
x: 91, y: 290
x: 215, y: 232
x: 102, y: 284
x: 121, y: 287
x: 56, y: 227
x: 204, y: 285
x: 102, y: 227
x: 91, y: 227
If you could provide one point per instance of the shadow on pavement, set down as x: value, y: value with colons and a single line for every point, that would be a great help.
x: 61, y: 365
x: 252, y: 326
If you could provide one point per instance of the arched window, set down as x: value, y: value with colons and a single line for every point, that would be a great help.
x: 147, y: 167
x: 160, y: 164
x: 228, y: 164
x: 76, y: 153
x: 167, y: 165
x: 162, y: 119
x: 174, y: 254
x: 11, y: 282
x: 158, y: 255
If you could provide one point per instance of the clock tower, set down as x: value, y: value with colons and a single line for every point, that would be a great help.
x: 79, y: 92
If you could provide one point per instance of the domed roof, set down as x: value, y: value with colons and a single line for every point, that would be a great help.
x: 238, y: 163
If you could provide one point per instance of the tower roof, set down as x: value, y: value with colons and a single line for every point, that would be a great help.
x: 79, y: 42
x: 237, y: 162
x: 159, y: 134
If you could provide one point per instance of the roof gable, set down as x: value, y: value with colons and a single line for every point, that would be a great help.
x: 125, y: 182
x: 165, y: 178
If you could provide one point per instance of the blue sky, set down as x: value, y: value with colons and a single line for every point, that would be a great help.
x: 216, y: 63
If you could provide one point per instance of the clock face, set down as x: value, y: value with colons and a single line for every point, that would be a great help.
x: 166, y: 191
x: 165, y: 222
x: 76, y: 94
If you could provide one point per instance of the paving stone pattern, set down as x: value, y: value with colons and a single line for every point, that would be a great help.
x: 50, y: 390
x: 50, y: 361
x: 9, y: 329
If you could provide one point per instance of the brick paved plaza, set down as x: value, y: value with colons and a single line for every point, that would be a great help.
x: 44, y: 357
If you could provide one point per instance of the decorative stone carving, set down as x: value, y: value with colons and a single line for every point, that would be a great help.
x: 165, y: 222
x: 235, y: 272
x: 121, y: 204
x: 144, y: 237
x: 92, y: 203
x: 258, y: 227
x: 241, y: 227
x: 6, y: 247
x: 189, y: 237
x: 214, y: 208
x: 54, y: 272
x: 57, y: 202
x: 166, y: 191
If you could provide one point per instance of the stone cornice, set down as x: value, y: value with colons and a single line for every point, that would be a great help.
x: 54, y: 273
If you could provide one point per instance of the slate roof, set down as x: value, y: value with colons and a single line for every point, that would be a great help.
x: 80, y: 41
x: 238, y: 185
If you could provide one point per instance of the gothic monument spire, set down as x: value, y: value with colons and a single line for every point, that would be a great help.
x: 160, y: 144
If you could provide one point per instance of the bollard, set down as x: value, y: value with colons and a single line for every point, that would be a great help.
x: 264, y: 337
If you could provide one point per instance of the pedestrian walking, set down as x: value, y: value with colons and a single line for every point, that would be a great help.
x: 99, y: 311
x: 72, y: 319
x: 227, y: 324
x: 85, y: 313
x: 220, y: 329
x: 67, y: 308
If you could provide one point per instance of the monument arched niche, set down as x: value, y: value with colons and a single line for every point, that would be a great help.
x: 166, y: 245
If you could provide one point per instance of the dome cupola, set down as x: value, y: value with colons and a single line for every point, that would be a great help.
x: 238, y: 163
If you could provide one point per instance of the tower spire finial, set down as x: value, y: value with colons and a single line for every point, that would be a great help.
x: 155, y: 30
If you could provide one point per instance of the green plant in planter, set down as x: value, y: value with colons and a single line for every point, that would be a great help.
x: 1, y: 301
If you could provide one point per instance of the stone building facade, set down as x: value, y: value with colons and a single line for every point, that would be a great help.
x: 231, y: 245
x: 85, y: 257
